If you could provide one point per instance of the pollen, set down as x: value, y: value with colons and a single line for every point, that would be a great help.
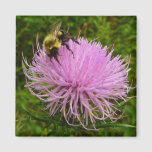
x: 59, y: 33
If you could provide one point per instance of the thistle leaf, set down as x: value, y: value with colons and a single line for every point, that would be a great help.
x: 116, y: 125
x: 124, y: 102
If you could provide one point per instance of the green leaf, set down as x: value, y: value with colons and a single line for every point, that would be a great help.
x: 124, y: 102
x: 116, y: 125
x: 19, y: 130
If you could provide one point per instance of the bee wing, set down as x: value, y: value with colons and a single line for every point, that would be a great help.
x: 54, y: 29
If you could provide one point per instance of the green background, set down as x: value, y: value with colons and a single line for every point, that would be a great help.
x: 117, y: 30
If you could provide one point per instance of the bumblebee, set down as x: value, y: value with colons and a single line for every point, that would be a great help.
x: 55, y: 40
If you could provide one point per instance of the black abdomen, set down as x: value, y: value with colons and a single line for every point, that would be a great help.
x: 53, y: 52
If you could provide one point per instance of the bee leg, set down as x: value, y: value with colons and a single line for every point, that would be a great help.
x: 73, y: 39
x: 69, y: 48
x: 56, y: 58
x: 54, y: 53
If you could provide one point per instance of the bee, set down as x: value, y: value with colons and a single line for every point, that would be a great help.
x: 55, y: 40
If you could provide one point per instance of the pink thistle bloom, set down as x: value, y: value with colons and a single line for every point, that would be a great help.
x: 84, y: 88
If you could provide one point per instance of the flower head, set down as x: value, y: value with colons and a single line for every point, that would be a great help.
x: 84, y: 87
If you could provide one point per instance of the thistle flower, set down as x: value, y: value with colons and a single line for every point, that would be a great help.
x: 84, y: 88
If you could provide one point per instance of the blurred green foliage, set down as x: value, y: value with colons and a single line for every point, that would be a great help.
x: 109, y: 30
